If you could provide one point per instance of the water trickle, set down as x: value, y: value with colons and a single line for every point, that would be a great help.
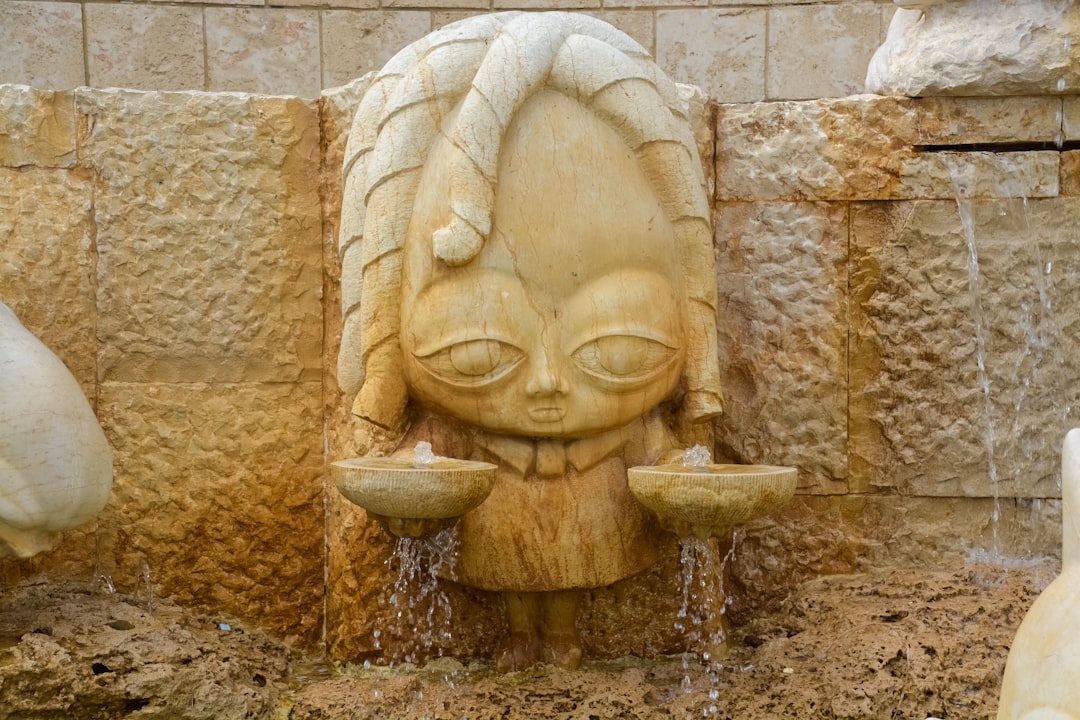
x: 149, y: 590
x: 421, y: 609
x: 963, y: 177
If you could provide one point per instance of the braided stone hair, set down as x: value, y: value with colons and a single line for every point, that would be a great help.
x: 488, y: 66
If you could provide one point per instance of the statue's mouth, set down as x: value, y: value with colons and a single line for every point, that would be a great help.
x: 551, y: 413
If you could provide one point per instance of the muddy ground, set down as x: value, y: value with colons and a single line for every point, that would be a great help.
x: 887, y: 644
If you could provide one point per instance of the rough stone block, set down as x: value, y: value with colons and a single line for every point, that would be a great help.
x: 43, y: 44
x: 1070, y: 173
x: 217, y: 499
x: 263, y: 51
x: 210, y: 264
x: 638, y: 24
x: 815, y: 536
x: 782, y: 278
x: 145, y: 47
x: 924, y: 419
x: 357, y: 42
x: 720, y: 51
x: 37, y: 128
x: 442, y: 4
x: 1070, y: 118
x: 47, y: 263
x: 864, y: 148
x: 833, y: 64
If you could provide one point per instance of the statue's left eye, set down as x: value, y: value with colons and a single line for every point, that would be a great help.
x: 623, y: 357
x: 473, y: 362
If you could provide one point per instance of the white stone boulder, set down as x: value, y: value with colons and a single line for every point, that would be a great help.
x: 55, y: 463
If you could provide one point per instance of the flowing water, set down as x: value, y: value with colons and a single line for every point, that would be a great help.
x: 1018, y: 401
x: 422, y: 618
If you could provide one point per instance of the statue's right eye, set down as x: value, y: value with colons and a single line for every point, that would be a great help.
x: 472, y: 362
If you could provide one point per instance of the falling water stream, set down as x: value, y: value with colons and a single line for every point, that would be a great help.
x: 1033, y: 329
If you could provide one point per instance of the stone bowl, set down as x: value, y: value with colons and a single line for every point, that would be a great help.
x: 395, y: 487
x: 711, y: 500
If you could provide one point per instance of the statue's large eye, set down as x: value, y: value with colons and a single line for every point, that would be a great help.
x: 473, y: 362
x: 623, y: 357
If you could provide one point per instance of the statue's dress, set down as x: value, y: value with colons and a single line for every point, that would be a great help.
x: 560, y: 515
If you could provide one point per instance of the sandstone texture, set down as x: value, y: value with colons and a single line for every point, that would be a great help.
x: 85, y: 652
x: 872, y: 148
x: 1021, y: 47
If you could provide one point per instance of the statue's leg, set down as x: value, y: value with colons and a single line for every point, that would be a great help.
x: 522, y: 646
x: 562, y: 642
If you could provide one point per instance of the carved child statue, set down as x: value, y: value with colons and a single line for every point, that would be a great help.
x: 528, y: 280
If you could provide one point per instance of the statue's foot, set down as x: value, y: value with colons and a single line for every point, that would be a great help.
x: 563, y: 650
x: 518, y: 652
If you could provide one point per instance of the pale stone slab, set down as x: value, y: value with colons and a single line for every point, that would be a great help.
x: 43, y: 44
x: 864, y: 147
x: 545, y: 4
x: 638, y: 24
x: 439, y: 4
x: 920, y: 420
x: 818, y: 51
x: 263, y: 50
x: 355, y: 43
x: 782, y: 274
x: 218, y: 498
x: 145, y: 47
x: 37, y: 128
x: 47, y: 263
x: 210, y: 258
x: 720, y: 51
x: 970, y: 47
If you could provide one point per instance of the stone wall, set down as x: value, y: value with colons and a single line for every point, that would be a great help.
x: 177, y: 251
x: 736, y: 50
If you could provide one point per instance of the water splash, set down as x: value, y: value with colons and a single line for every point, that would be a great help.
x: 145, y: 567
x: 697, y: 457
x: 421, y: 609
x: 423, y: 455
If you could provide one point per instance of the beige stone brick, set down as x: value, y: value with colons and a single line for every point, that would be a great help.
x: 47, y: 263
x: 325, y: 4
x: 442, y: 18
x: 545, y: 4
x: 37, y: 127
x: 720, y: 51
x: 217, y: 498
x: 782, y: 278
x: 639, y: 24
x: 440, y: 4
x: 356, y: 42
x: 263, y: 50
x: 1070, y: 119
x: 817, y: 51
x: 42, y: 44
x: 863, y: 148
x: 145, y: 47
x: 1070, y: 173
x: 922, y: 421
x: 210, y: 265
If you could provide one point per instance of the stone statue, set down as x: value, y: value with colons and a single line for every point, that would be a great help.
x: 1040, y: 680
x: 528, y: 280
x: 55, y: 463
